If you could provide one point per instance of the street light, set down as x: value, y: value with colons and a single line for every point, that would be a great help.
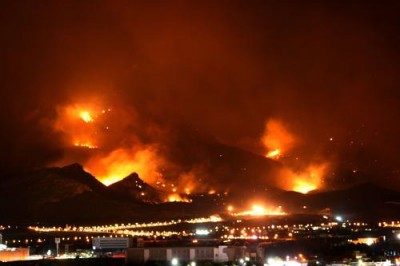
x: 57, y: 240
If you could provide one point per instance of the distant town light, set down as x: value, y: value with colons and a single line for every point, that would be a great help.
x: 202, y: 232
x: 370, y: 241
x: 275, y: 262
x: 174, y: 262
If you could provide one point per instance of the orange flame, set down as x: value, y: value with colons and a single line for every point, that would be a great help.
x: 177, y: 198
x: 78, y: 123
x: 187, y: 182
x: 258, y: 209
x: 87, y: 125
x: 274, y: 154
x: 85, y: 145
x: 86, y: 117
x: 277, y: 139
x: 305, y: 180
x: 118, y: 164
x: 304, y: 187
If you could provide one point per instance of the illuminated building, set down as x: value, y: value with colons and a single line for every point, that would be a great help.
x: 13, y: 254
x: 112, y: 243
x: 215, y: 254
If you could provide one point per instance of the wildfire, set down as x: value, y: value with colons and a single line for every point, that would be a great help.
x: 303, y: 187
x: 177, y: 198
x: 274, y: 154
x: 277, y: 139
x: 85, y: 145
x: 86, y: 117
x: 260, y: 210
x: 112, y: 167
x: 86, y: 125
x: 81, y: 124
x: 187, y: 183
x: 305, y: 180
x: 119, y: 152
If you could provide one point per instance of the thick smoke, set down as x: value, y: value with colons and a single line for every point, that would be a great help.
x: 329, y: 70
x: 298, y: 174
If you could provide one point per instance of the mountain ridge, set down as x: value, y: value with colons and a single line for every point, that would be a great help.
x: 71, y: 195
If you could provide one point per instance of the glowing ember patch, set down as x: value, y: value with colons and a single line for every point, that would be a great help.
x: 177, y: 198
x: 80, y: 125
x: 113, y: 167
x: 299, y: 177
x: 85, y: 145
x: 305, y: 180
x: 211, y: 192
x: 303, y: 187
x: 277, y: 139
x: 273, y: 154
x: 86, y: 117
x: 111, y: 180
x: 260, y: 210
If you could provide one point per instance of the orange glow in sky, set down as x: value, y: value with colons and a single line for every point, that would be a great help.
x: 305, y: 180
x: 277, y: 140
x: 116, y: 165
x: 78, y: 122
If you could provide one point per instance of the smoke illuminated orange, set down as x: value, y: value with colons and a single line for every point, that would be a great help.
x: 303, y: 186
x: 78, y: 123
x: 116, y: 155
x: 187, y: 183
x: 305, y: 180
x: 276, y: 139
x: 112, y: 167
x: 177, y: 198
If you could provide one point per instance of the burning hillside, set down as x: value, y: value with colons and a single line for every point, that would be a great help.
x: 311, y: 87
x: 278, y: 142
x: 183, y: 163
x: 115, y: 146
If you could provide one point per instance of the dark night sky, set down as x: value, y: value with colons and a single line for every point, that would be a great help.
x: 325, y: 68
